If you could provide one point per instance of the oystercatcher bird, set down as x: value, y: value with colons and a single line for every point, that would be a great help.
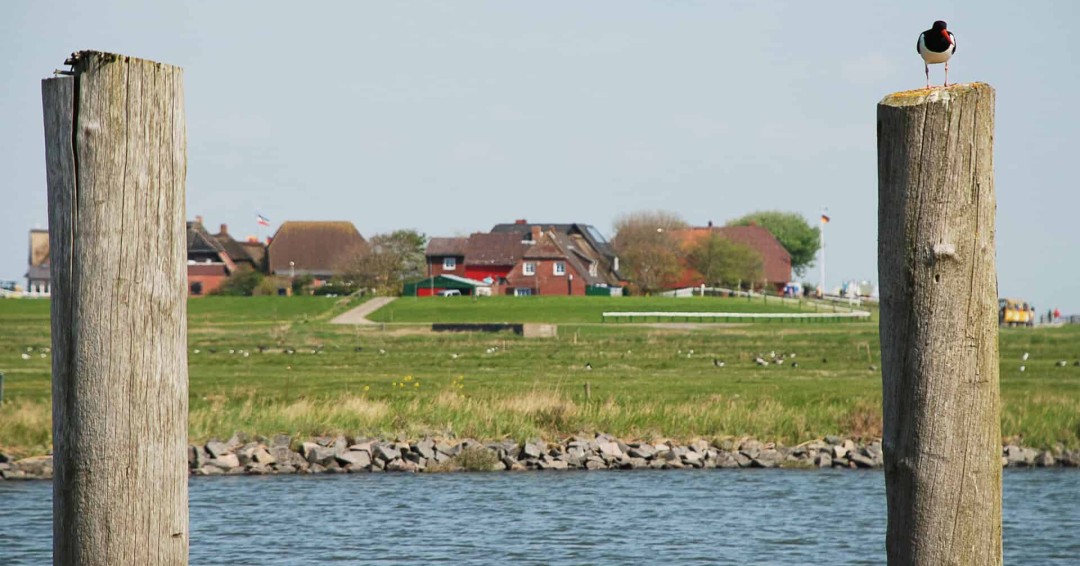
x: 936, y: 45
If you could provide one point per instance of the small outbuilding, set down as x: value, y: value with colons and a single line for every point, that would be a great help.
x: 445, y: 282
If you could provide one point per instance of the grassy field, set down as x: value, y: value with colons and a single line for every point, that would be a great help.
x: 562, y: 310
x: 646, y: 380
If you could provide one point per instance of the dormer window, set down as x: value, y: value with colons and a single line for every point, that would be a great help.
x: 449, y: 263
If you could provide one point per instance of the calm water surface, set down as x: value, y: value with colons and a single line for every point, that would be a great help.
x: 707, y: 516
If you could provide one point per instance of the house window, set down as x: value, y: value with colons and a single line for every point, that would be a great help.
x: 559, y: 268
x: 592, y: 269
x: 528, y: 268
x: 523, y: 292
x: 449, y: 263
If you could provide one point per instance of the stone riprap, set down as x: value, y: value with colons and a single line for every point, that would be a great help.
x: 340, y: 454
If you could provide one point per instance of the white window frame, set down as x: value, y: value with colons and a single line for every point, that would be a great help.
x: 528, y: 268
x: 592, y: 269
x: 449, y: 263
x: 558, y: 268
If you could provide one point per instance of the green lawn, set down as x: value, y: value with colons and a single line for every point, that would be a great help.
x: 562, y: 310
x: 645, y: 381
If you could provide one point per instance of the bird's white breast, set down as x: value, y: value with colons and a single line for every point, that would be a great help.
x: 932, y: 57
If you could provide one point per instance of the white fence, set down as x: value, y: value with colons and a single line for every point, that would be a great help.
x: 829, y: 303
x: 734, y: 316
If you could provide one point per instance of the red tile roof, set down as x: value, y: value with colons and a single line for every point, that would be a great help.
x: 316, y: 247
x: 775, y: 259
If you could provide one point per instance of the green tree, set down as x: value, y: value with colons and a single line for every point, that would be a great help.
x: 721, y: 261
x: 406, y: 247
x: 242, y: 283
x: 385, y: 263
x: 648, y: 252
x: 793, y: 232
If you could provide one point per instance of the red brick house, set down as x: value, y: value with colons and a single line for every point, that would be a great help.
x: 523, y: 259
x: 583, y: 240
x: 315, y: 248
x: 776, y: 261
x: 552, y: 265
x: 208, y: 264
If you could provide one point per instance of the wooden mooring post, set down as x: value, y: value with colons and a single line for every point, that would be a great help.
x: 939, y: 332
x: 115, y: 148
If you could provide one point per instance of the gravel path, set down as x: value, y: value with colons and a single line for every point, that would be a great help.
x: 359, y: 314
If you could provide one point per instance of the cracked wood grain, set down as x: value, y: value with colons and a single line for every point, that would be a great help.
x: 116, y: 158
x: 939, y: 332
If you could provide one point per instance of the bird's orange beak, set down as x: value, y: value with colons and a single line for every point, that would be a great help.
x: 948, y: 37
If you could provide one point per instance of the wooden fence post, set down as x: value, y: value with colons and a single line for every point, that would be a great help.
x: 115, y: 148
x: 939, y: 333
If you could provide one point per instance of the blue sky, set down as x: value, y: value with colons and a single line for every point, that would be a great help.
x: 450, y: 117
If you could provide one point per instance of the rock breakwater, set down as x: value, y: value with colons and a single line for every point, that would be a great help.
x: 282, y: 454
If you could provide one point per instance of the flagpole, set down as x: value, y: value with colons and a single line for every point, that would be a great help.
x: 823, y: 222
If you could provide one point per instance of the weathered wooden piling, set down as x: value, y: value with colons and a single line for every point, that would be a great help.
x: 939, y: 333
x: 116, y: 156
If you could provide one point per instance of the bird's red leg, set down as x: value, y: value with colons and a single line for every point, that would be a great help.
x: 927, y: 67
x: 946, y: 73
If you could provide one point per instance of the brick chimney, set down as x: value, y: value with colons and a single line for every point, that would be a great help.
x: 536, y: 233
x: 225, y: 229
x: 521, y: 221
x: 198, y: 219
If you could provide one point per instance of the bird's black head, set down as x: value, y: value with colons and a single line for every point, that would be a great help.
x: 940, y: 25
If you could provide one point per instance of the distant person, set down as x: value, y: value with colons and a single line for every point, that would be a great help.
x: 1057, y: 314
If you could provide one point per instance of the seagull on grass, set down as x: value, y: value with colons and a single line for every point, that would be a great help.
x: 936, y: 45
x: 718, y: 362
